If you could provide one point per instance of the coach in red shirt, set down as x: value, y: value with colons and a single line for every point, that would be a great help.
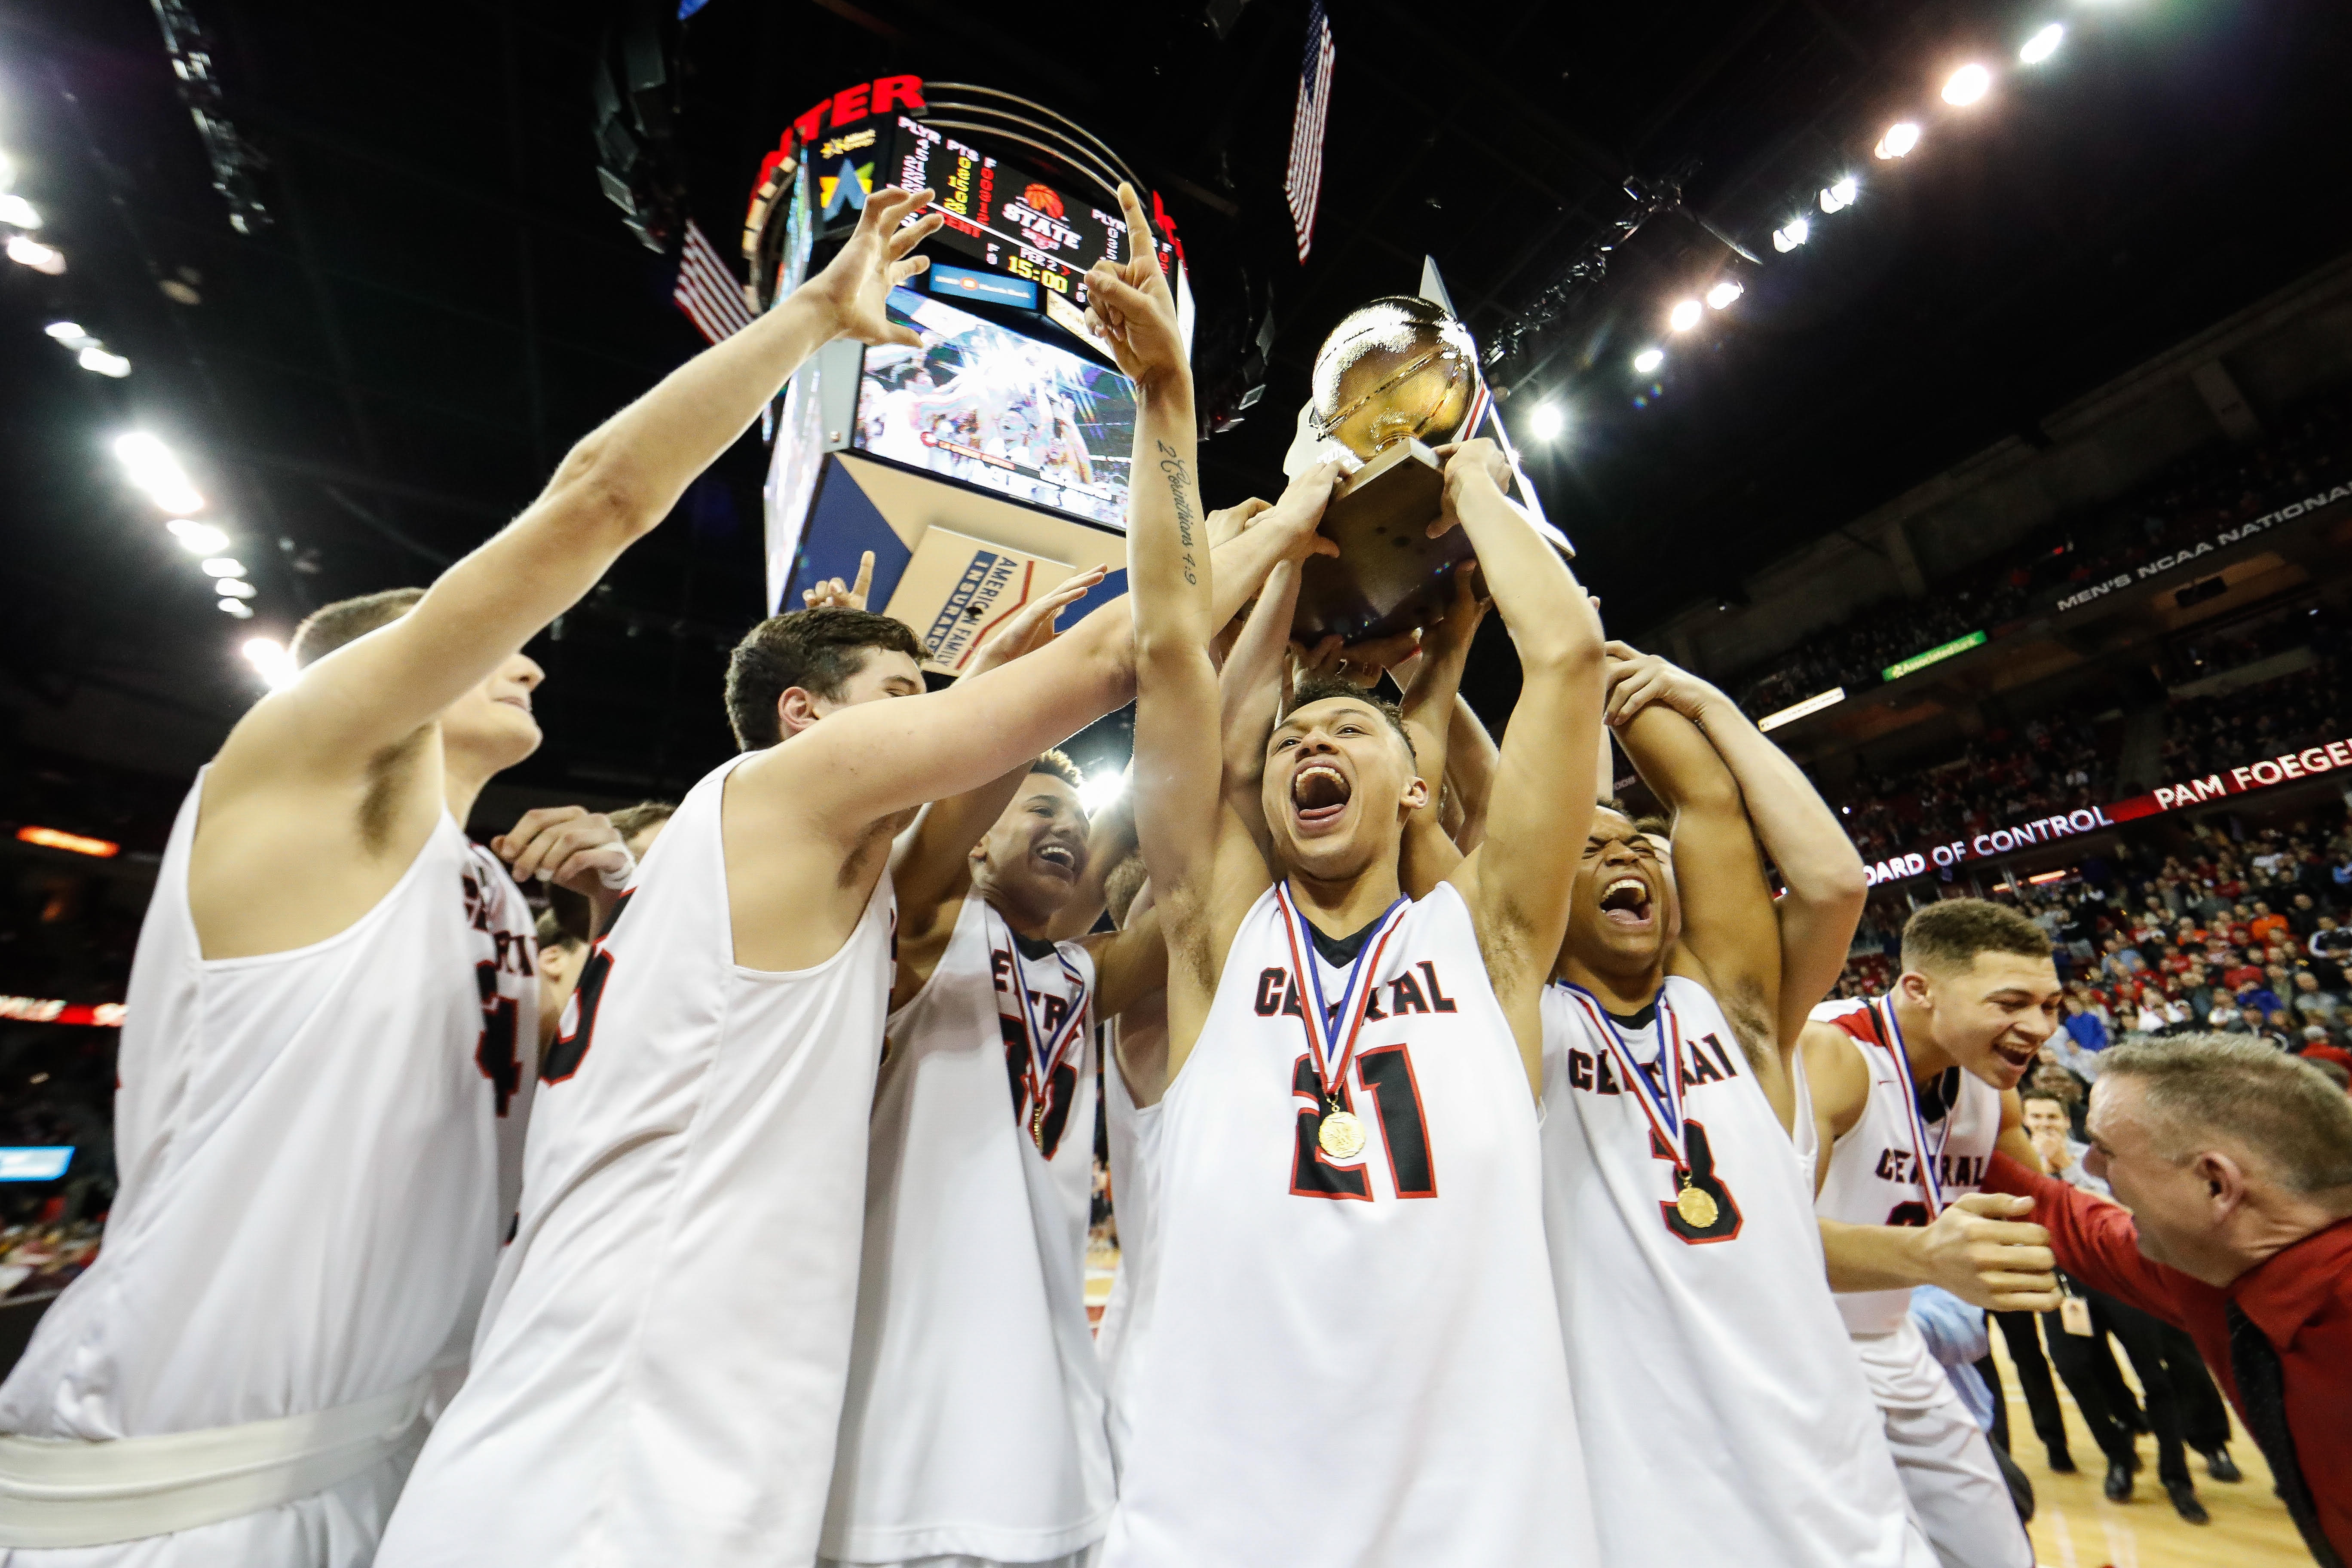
x: 2234, y: 1165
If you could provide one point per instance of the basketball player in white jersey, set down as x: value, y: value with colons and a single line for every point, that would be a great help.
x: 329, y: 1040
x: 1682, y: 1245
x: 1908, y: 1095
x: 1349, y: 1357
x: 974, y: 1423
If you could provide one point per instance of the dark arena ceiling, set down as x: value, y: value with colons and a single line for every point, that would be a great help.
x: 434, y: 298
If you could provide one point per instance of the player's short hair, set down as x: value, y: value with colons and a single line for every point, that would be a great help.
x: 553, y: 934
x: 817, y: 650
x: 2042, y: 1091
x: 1121, y: 887
x: 330, y: 626
x: 1321, y: 688
x: 632, y: 820
x: 1947, y: 935
x: 1057, y: 761
x: 2286, y: 1114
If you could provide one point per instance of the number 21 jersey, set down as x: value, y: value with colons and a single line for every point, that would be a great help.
x: 1350, y: 1361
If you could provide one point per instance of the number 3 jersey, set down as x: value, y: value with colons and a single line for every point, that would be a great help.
x: 973, y: 1424
x: 1726, y: 1418
x: 1873, y: 1175
x: 1349, y: 1361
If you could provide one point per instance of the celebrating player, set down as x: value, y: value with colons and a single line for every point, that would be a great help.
x: 1335, y: 1357
x: 1683, y: 1246
x: 329, y: 1052
x: 1909, y: 1094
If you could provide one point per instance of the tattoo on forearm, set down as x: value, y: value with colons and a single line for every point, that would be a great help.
x: 1179, y: 483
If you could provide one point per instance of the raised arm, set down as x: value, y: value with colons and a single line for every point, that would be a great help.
x: 612, y: 488
x: 1435, y: 716
x: 1519, y: 882
x: 1731, y: 942
x: 1826, y: 884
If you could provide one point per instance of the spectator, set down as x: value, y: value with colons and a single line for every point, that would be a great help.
x: 2265, y: 925
x: 2236, y: 1167
x: 2312, y: 1003
x: 2089, y: 1032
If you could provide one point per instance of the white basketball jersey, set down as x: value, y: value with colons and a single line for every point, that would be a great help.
x: 659, y: 1378
x: 1133, y: 1132
x: 311, y: 1145
x: 1738, y: 1426
x: 1874, y: 1169
x: 1351, y: 1361
x: 973, y: 1424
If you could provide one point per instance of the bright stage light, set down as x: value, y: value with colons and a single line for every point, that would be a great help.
x: 235, y: 588
x: 1790, y: 234
x: 1101, y: 791
x: 1547, y: 422
x: 70, y: 333
x: 224, y: 566
x: 152, y: 465
x: 17, y: 210
x: 1683, y: 316
x: 2043, y: 45
x: 1966, y: 85
x: 237, y: 607
x: 96, y: 358
x: 269, y: 657
x: 1900, y: 138
x: 1649, y: 360
x: 26, y: 251
x: 1723, y: 294
x: 200, y: 538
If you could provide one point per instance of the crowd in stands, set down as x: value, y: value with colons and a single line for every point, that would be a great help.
x: 43, y: 1259
x: 2252, y: 937
x: 2216, y: 487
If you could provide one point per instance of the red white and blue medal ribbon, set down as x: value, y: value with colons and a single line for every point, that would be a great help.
x: 1662, y: 1105
x: 1046, y: 1046
x: 1331, y: 1033
x: 1890, y: 1032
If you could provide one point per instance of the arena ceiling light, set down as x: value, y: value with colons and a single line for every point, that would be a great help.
x: 1900, y: 138
x: 1649, y: 360
x: 1841, y: 193
x: 1683, y: 316
x: 235, y: 588
x: 1098, y: 793
x: 17, y: 212
x: 70, y: 333
x: 268, y: 656
x: 1790, y: 234
x: 198, y: 538
x: 1966, y: 85
x: 154, y: 470
x: 26, y: 251
x: 95, y: 357
x: 1723, y: 294
x: 224, y: 566
x: 238, y: 608
x: 2043, y: 45
x: 1547, y: 422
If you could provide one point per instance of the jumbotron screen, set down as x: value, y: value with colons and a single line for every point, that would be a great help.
x: 989, y: 407
x: 1008, y: 217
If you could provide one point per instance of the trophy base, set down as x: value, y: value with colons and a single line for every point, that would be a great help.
x: 1389, y: 575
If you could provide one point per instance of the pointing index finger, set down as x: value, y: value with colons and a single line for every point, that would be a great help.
x: 1140, y: 242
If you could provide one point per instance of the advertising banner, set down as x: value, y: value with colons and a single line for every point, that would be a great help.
x: 2309, y: 762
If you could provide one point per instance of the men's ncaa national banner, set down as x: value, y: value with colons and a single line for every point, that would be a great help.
x: 2309, y: 762
x: 2076, y: 596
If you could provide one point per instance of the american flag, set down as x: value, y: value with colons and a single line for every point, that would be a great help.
x: 706, y: 291
x: 1304, y: 183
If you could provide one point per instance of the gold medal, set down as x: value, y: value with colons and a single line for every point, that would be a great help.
x: 1342, y: 1134
x: 1697, y: 1209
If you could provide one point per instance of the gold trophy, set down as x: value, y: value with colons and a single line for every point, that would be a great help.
x: 1395, y: 378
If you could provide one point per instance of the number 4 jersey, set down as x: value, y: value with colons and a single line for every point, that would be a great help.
x: 1730, y: 1421
x: 1351, y: 1357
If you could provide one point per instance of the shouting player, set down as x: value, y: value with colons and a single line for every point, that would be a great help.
x: 329, y: 1052
x: 1700, y: 1334
x: 1351, y: 1352
x: 1909, y: 1094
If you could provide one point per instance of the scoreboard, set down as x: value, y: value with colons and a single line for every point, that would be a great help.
x: 1009, y: 218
